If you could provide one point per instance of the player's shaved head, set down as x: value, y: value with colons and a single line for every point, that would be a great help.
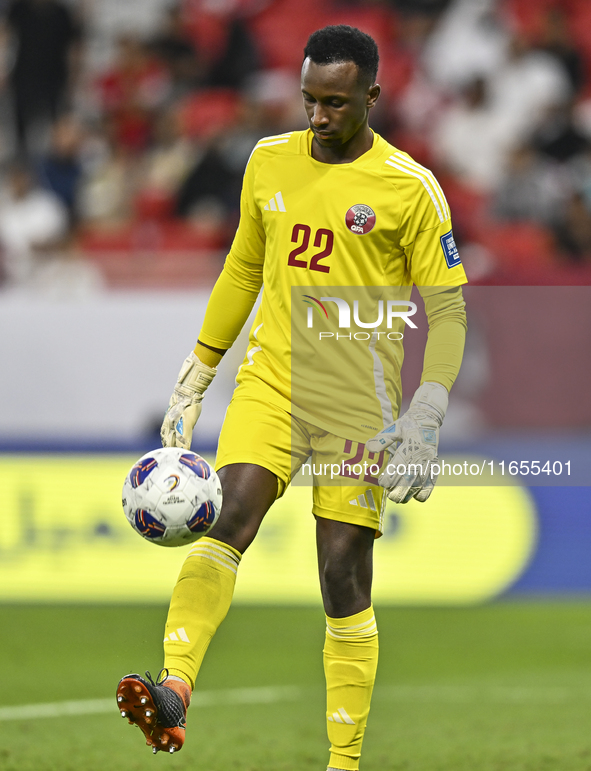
x: 341, y: 43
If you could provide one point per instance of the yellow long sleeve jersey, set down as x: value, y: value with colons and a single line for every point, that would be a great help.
x: 338, y: 248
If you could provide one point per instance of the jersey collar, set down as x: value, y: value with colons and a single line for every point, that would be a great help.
x: 373, y: 151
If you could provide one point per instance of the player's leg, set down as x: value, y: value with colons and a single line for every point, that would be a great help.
x: 205, y: 586
x: 249, y: 490
x: 351, y: 645
x: 345, y: 566
x: 348, y: 516
x: 254, y: 465
x: 199, y: 604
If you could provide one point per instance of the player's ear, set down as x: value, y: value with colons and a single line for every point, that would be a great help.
x: 373, y: 95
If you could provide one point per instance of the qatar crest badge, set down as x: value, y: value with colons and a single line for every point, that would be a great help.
x: 360, y: 219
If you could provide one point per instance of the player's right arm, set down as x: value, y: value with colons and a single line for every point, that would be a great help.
x: 413, y: 439
x: 228, y: 308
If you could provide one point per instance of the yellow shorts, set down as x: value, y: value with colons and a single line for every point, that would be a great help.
x: 342, y: 474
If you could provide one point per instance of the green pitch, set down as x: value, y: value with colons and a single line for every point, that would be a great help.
x: 505, y: 687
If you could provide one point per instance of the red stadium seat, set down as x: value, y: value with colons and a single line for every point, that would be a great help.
x: 377, y: 20
x: 520, y: 246
x: 580, y: 16
x: 155, y: 255
x: 468, y: 207
x: 281, y: 31
x: 527, y: 15
x: 153, y: 236
x: 93, y: 240
x: 153, y: 205
x: 209, y: 112
x: 178, y: 235
x: 397, y: 68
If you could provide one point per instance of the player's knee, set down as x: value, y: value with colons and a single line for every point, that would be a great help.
x: 334, y: 577
x: 238, y: 523
x: 248, y: 492
x: 344, y: 591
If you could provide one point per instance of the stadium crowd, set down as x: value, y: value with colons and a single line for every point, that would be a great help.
x: 126, y: 168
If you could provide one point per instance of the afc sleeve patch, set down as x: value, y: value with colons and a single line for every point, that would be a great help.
x: 450, y: 250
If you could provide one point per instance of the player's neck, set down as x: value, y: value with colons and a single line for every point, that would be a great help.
x: 348, y: 152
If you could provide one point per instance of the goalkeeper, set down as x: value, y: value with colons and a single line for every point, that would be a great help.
x: 327, y: 215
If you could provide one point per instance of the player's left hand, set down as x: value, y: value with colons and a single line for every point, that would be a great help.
x: 184, y: 407
x: 412, y: 442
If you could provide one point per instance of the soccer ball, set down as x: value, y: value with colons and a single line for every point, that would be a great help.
x: 172, y: 496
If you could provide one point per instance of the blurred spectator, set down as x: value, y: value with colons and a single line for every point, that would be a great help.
x: 558, y: 137
x: 110, y: 176
x: 579, y: 169
x: 60, y: 169
x: 228, y: 53
x: 175, y: 48
x: 468, y: 43
x: 131, y: 91
x: 47, y: 38
x: 472, y: 140
x: 556, y: 40
x: 216, y: 177
x: 533, y: 188
x: 420, y: 106
x: 65, y: 274
x: 573, y: 232
x: 212, y: 182
x: 32, y: 221
x: 526, y: 85
x: 422, y: 7
x: 166, y: 165
x: 238, y: 60
x: 170, y: 121
x: 274, y: 105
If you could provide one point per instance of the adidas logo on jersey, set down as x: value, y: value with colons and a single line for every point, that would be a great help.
x: 341, y: 717
x: 365, y: 500
x: 276, y: 203
x: 177, y: 636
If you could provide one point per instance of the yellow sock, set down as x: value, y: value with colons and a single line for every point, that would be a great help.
x: 199, y: 604
x: 350, y: 663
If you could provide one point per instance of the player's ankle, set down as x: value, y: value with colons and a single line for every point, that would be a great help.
x: 178, y: 679
x: 180, y: 686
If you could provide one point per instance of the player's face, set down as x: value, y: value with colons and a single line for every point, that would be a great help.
x: 336, y: 100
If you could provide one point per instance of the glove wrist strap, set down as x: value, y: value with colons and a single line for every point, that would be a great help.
x: 195, y: 376
x: 431, y: 398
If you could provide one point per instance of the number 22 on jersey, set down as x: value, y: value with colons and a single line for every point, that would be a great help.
x: 323, y: 239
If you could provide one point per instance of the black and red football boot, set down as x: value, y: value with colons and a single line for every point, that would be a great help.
x: 158, y: 707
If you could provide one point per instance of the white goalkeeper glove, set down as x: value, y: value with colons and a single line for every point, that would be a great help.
x: 412, y: 442
x: 185, y: 403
